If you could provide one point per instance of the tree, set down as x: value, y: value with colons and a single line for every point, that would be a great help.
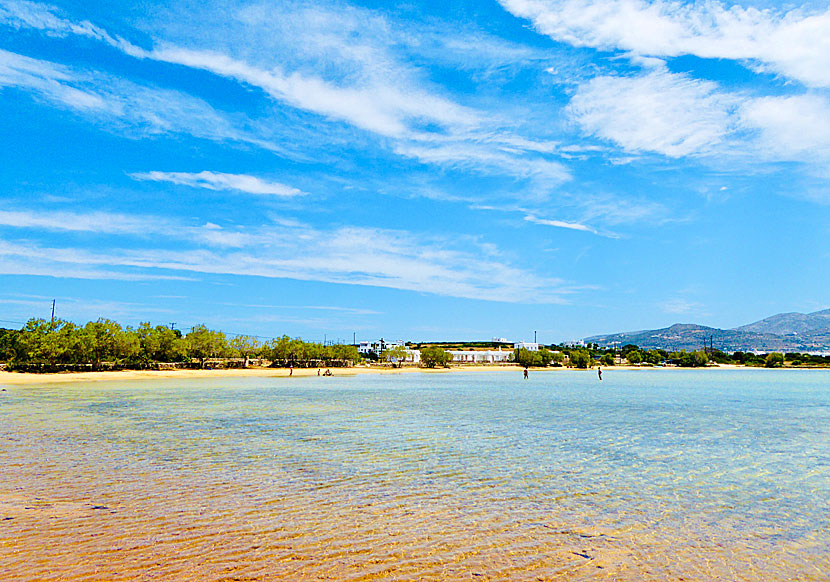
x: 774, y: 360
x: 634, y: 357
x: 203, y: 343
x: 245, y: 346
x: 160, y: 344
x: 8, y: 344
x: 608, y: 360
x: 434, y: 356
x: 527, y: 358
x: 580, y: 358
x: 395, y: 355
x: 105, y: 340
x: 545, y: 357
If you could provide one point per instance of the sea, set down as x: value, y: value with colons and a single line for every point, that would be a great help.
x: 647, y: 475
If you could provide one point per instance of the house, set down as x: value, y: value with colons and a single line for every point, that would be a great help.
x: 378, y: 346
x: 530, y: 346
x: 480, y: 356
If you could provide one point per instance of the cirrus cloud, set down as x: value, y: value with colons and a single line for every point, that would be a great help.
x: 220, y: 181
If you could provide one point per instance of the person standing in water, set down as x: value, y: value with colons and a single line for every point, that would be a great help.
x: 599, y: 373
x: 525, y: 373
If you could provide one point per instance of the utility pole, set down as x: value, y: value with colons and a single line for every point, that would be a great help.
x: 354, y: 338
x: 534, y: 336
x: 53, y: 311
x: 172, y: 325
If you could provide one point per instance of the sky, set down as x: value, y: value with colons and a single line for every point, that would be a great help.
x: 420, y: 171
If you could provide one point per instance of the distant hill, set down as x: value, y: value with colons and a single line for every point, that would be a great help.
x: 782, y: 332
x: 791, y: 323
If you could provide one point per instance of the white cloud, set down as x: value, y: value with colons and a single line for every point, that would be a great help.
x: 560, y: 224
x: 133, y: 109
x: 378, y: 107
x: 679, y: 306
x: 791, y: 127
x: 220, y: 181
x: 661, y: 112
x: 106, y: 223
x: 341, y: 63
x: 794, y: 43
x: 345, y: 255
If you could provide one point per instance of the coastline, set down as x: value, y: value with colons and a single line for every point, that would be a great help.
x: 23, y: 379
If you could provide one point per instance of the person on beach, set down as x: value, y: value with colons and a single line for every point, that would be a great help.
x: 318, y: 371
x: 599, y: 373
x: 526, y: 374
x: 291, y: 371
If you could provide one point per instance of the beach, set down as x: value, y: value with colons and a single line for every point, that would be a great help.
x: 22, y: 379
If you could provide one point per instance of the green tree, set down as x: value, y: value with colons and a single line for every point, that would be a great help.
x: 203, y: 343
x: 160, y: 344
x: 774, y: 360
x: 527, y: 358
x: 104, y: 340
x: 8, y: 344
x: 396, y: 355
x: 245, y: 346
x: 634, y: 357
x: 580, y: 358
x: 434, y: 356
x: 545, y: 357
x: 48, y: 342
x: 607, y: 360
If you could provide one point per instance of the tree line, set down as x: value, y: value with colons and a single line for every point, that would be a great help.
x: 46, y: 344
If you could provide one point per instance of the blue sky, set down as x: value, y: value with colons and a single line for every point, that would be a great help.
x: 433, y: 170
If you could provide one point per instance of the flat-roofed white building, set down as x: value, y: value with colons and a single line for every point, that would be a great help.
x: 529, y: 346
x: 480, y: 356
x: 378, y: 346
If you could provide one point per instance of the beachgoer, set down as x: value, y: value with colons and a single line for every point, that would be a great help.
x: 526, y: 374
x: 599, y: 373
x: 291, y: 371
x: 327, y: 372
x: 318, y: 371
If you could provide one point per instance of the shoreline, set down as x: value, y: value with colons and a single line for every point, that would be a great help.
x: 24, y: 378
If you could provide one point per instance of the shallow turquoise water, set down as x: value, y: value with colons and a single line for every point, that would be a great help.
x: 651, y: 474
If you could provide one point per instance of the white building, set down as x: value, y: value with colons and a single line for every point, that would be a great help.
x: 530, y: 346
x: 480, y: 356
x: 378, y: 346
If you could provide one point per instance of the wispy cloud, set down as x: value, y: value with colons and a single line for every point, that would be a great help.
x: 220, y: 181
x: 342, y: 67
x: 132, y: 109
x: 560, y: 224
x: 791, y: 42
x: 681, y: 306
x: 348, y: 255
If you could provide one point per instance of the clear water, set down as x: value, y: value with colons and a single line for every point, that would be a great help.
x: 648, y: 475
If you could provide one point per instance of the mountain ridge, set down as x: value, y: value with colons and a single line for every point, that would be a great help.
x: 790, y: 331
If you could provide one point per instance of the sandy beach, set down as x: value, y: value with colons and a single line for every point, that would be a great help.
x: 19, y: 379
x: 14, y: 378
